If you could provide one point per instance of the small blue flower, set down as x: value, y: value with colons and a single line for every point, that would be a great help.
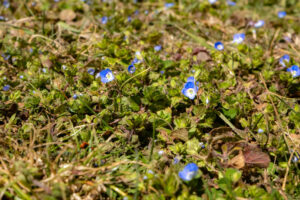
x: 5, y: 56
x: 176, y: 160
x: 21, y: 76
x: 146, y: 12
x: 6, y: 87
x: 157, y: 48
x: 212, y: 1
x: 135, y: 61
x: 75, y: 96
x: 188, y: 172
x: 150, y: 171
x: 231, y: 3
x: 162, y: 71
x: 202, y: 145
x: 2, y: 18
x: 294, y: 70
x: 295, y: 159
x: 6, y: 3
x: 190, y: 89
x: 169, y: 5
x: 161, y: 152
x: 91, y: 71
x: 284, y: 59
x: 259, y: 23
x: 260, y: 130
x: 129, y: 19
x: 44, y: 70
x: 136, y: 12
x: 238, y: 38
x: 219, y: 46
x: 145, y: 177
x: 104, y: 20
x: 64, y: 67
x: 131, y: 69
x: 106, y: 76
x: 281, y: 14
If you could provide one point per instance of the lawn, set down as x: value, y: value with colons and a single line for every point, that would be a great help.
x: 154, y: 100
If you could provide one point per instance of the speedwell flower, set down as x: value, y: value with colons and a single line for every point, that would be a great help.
x: 259, y: 23
x: 284, y: 59
x: 219, y: 46
x: 169, y: 5
x: 294, y: 70
x: 106, y: 76
x: 281, y: 14
x: 190, y: 88
x: 91, y: 71
x: 104, y: 20
x: 238, y: 38
x: 131, y: 69
x: 188, y: 172
x: 6, y: 87
x: 212, y: 1
x: 157, y: 48
x: 231, y: 3
x: 6, y: 3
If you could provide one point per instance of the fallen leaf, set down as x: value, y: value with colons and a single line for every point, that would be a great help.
x: 67, y: 15
x: 238, y: 161
x: 254, y: 157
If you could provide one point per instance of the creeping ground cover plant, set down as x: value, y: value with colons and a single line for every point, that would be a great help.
x: 111, y: 99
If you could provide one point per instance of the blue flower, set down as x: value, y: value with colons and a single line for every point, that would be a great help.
x: 129, y: 19
x: 294, y: 70
x: 131, y: 69
x: 295, y: 159
x: 157, y: 48
x: 2, y: 18
x: 21, y: 76
x: 238, y: 38
x: 162, y: 71
x: 104, y: 20
x: 5, y: 56
x: 6, y: 87
x: 212, y: 1
x: 161, y: 152
x: 231, y: 3
x: 176, y: 160
x: 146, y: 12
x: 169, y: 5
x: 64, y: 67
x: 219, y: 46
x: 44, y: 70
x: 259, y: 23
x: 190, y: 89
x: 281, y: 14
x: 75, y: 96
x: 106, y: 76
x: 136, y: 12
x: 284, y: 59
x: 135, y: 61
x: 6, y: 3
x: 188, y: 172
x: 91, y: 71
x: 260, y: 130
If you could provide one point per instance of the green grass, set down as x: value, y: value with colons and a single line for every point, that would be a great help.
x: 118, y: 140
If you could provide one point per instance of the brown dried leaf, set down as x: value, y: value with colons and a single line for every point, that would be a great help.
x: 254, y: 157
x: 238, y: 161
x: 67, y: 15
